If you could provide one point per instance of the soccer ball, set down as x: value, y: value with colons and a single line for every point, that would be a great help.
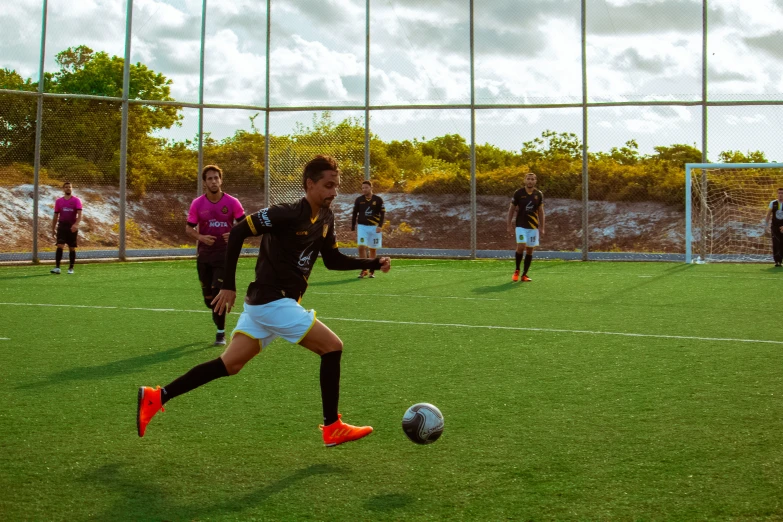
x: 423, y: 423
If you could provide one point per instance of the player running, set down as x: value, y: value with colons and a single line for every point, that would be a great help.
x: 293, y: 235
x: 65, y: 226
x: 775, y: 216
x: 371, y: 212
x: 210, y: 220
x: 528, y: 203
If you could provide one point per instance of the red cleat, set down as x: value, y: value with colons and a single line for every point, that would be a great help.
x: 515, y: 277
x: 148, y: 405
x: 339, y: 432
x: 526, y: 279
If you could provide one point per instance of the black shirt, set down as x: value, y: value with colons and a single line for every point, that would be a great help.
x: 776, y: 208
x: 369, y: 211
x: 527, y: 207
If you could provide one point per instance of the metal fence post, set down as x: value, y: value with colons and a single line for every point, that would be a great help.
x: 267, y: 177
x: 585, y: 168
x: 38, y: 128
x: 473, y: 209
x: 367, y: 91
x: 124, y: 130
x: 199, y: 182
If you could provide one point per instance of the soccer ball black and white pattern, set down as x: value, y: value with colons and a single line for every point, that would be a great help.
x: 423, y: 423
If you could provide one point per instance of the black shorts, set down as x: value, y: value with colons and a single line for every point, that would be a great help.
x: 210, y: 272
x: 65, y: 236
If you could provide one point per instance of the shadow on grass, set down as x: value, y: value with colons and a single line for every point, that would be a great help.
x: 388, y: 502
x: 140, y: 499
x: 114, y: 368
x: 28, y: 276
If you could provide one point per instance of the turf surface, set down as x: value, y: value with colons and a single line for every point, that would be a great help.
x: 552, y: 416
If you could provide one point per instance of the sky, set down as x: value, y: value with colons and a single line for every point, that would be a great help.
x: 526, y: 51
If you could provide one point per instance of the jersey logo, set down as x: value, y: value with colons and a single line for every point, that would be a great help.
x: 368, y: 212
x: 530, y: 207
x: 304, y: 260
x: 301, y: 232
x: 214, y: 223
x: 225, y: 210
x: 326, y: 229
x: 263, y: 216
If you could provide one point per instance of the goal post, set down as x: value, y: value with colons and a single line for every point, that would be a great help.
x: 725, y: 206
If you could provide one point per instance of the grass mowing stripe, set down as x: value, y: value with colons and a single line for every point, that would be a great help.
x: 452, y: 325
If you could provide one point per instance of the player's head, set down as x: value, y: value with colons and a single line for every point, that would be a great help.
x: 212, y: 177
x: 320, y: 180
x: 367, y: 187
x: 67, y: 188
x: 530, y: 179
x: 780, y: 193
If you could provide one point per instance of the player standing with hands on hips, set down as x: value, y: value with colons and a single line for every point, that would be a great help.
x: 370, y: 212
x: 210, y: 220
x: 293, y: 235
x: 775, y: 215
x: 65, y: 226
x: 528, y: 203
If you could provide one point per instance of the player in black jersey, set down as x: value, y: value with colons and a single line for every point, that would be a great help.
x: 774, y: 220
x: 293, y: 236
x: 370, y: 213
x: 528, y: 203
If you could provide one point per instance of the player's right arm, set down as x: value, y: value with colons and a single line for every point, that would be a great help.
x: 768, y: 219
x: 355, y: 215
x: 512, y: 209
x: 191, y: 228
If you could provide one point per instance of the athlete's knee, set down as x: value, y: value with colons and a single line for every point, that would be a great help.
x: 521, y: 248
x: 208, y: 301
x: 333, y: 345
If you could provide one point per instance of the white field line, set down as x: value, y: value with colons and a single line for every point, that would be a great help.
x: 443, y: 325
x: 406, y: 295
x: 588, y: 274
x: 5, y: 338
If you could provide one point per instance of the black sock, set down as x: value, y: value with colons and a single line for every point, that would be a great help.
x: 219, y: 320
x: 58, y: 256
x: 519, y: 259
x: 71, y: 257
x: 330, y: 385
x: 528, y: 259
x: 197, y: 376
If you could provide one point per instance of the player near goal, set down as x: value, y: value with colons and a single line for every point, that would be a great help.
x: 774, y: 219
x: 293, y: 235
x: 528, y: 204
x: 210, y: 220
x: 65, y: 226
x: 369, y: 211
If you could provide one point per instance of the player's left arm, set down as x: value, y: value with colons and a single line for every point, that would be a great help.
x: 239, y: 215
x: 224, y: 301
x: 78, y: 220
x: 336, y: 260
x: 541, y: 219
x: 383, y: 216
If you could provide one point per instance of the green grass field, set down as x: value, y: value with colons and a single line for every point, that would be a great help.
x: 600, y: 391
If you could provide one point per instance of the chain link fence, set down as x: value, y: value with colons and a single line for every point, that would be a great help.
x: 395, y: 102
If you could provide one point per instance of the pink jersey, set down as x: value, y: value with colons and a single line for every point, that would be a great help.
x: 214, y: 219
x: 67, y: 209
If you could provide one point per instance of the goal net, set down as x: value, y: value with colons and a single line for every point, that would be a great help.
x: 725, y: 208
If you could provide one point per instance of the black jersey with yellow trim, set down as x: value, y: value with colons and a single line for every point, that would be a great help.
x: 289, y: 248
x: 527, y: 204
x: 368, y: 211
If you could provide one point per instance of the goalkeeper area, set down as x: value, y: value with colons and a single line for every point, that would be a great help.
x: 598, y: 391
x: 725, y: 207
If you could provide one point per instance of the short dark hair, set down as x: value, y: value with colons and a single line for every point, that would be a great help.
x: 208, y: 168
x: 66, y: 182
x: 779, y: 189
x: 314, y: 170
x: 367, y: 182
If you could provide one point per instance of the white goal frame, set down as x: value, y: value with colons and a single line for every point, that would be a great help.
x: 689, y: 193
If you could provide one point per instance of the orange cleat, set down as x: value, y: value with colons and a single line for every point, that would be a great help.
x: 362, y: 274
x: 149, y: 404
x: 515, y: 277
x: 339, y: 432
x: 526, y: 279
